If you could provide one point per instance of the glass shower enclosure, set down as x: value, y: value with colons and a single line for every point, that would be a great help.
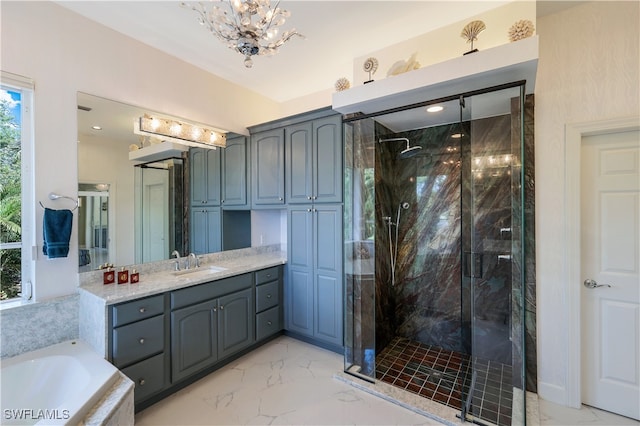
x: 434, y: 251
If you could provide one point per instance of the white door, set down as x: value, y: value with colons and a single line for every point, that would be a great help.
x: 610, y: 255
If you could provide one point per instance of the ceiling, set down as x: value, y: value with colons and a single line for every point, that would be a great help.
x: 335, y: 33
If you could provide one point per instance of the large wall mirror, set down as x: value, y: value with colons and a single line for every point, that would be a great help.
x: 131, y: 211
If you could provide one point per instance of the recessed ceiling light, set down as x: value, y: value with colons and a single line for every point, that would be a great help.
x: 435, y: 108
x: 456, y: 136
x: 96, y: 127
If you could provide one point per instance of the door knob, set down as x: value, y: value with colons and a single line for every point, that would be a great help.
x: 589, y: 283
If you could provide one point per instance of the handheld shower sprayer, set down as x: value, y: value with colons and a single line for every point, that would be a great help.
x: 393, y: 242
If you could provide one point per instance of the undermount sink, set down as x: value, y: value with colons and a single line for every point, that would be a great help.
x: 202, y: 270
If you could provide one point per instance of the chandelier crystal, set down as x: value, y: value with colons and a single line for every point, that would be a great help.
x: 249, y: 27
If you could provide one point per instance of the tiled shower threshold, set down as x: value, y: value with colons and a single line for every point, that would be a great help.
x: 428, y: 408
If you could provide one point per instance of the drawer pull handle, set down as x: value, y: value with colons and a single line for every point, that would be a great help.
x: 268, y: 296
x: 269, y: 322
x: 142, y: 310
x: 141, y: 340
x: 141, y: 382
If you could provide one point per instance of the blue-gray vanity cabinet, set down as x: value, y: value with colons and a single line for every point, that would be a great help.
x: 138, y: 344
x: 314, y: 161
x: 206, y: 229
x: 205, y: 176
x: 269, y: 313
x: 220, y: 325
x: 314, y: 286
x: 267, y: 168
x: 234, y: 174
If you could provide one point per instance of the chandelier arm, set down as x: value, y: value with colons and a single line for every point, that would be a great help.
x: 273, y: 15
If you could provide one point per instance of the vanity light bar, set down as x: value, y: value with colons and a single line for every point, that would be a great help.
x: 179, y: 131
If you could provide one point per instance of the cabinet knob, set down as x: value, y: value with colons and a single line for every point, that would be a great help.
x: 215, y: 309
x: 268, y: 296
x: 308, y: 210
x: 280, y: 198
x: 314, y: 197
x: 222, y: 201
x: 221, y: 308
x: 268, y: 275
x: 142, y: 310
x: 269, y: 322
x: 141, y: 382
x: 309, y: 197
x: 141, y: 340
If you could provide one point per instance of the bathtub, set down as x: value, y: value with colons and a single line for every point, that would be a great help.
x: 55, y: 385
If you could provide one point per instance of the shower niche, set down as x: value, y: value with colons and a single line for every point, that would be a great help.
x: 435, y: 250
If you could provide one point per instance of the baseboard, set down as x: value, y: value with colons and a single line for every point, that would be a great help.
x: 553, y: 393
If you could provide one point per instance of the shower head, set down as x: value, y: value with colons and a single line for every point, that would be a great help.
x: 408, y: 152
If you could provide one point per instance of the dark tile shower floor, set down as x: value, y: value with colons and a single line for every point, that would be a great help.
x: 439, y: 375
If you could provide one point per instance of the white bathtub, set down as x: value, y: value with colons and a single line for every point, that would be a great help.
x: 55, y: 385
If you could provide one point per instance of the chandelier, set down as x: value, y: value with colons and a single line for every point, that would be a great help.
x: 250, y: 27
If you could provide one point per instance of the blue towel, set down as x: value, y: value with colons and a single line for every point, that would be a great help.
x: 56, y: 231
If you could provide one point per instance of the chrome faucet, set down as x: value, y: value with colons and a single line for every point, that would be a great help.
x: 177, y: 256
x: 195, y: 259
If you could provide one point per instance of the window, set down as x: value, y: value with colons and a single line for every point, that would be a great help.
x: 16, y: 186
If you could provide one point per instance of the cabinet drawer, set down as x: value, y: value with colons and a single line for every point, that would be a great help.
x: 138, y: 340
x: 267, y: 296
x: 267, y: 275
x: 268, y: 323
x: 208, y: 291
x: 148, y: 376
x: 137, y: 310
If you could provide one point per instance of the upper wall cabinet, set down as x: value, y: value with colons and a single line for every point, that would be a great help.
x: 234, y: 174
x: 267, y: 168
x: 314, y: 161
x: 205, y: 176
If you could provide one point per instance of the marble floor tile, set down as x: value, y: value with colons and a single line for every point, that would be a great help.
x: 553, y: 414
x: 284, y: 382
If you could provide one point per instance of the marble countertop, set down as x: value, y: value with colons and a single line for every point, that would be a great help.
x: 152, y: 283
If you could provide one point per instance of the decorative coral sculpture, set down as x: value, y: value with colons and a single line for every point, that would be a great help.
x: 370, y: 66
x: 471, y: 31
x: 342, y: 84
x: 521, y: 29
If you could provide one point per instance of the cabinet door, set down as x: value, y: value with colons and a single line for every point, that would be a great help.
x: 267, y: 168
x: 327, y: 160
x: 194, y: 339
x: 299, y: 293
x: 327, y: 286
x: 237, y: 328
x: 206, y: 236
x: 234, y: 175
x: 299, y: 157
x: 205, y: 176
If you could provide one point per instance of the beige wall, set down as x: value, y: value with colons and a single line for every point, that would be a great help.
x: 588, y: 70
x: 65, y: 53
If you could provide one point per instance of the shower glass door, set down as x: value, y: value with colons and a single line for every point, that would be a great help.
x: 492, y: 253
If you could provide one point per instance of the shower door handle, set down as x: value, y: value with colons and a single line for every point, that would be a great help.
x: 589, y: 283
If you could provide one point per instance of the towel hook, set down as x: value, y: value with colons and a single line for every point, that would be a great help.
x: 54, y: 196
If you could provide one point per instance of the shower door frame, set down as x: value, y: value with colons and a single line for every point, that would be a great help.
x: 349, y: 366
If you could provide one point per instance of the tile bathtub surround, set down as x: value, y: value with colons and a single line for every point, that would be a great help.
x: 283, y: 382
x: 34, y: 326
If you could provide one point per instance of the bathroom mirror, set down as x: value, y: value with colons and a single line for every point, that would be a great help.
x: 133, y: 211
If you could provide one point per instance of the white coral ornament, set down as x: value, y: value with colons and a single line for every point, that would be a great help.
x: 520, y: 30
x: 370, y: 66
x: 342, y: 84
